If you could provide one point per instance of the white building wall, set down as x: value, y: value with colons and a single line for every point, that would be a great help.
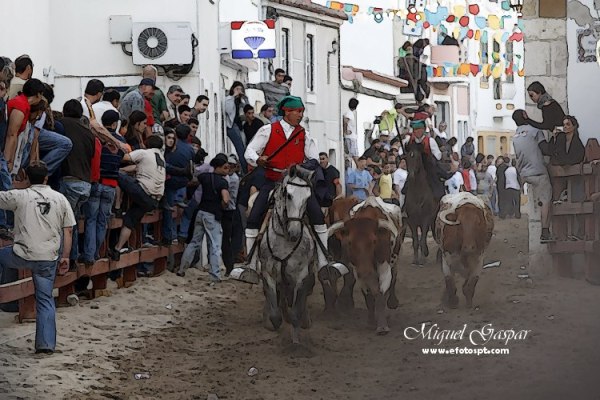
x: 583, y: 87
x: 70, y: 40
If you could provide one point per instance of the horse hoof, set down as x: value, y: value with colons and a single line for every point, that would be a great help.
x: 393, y: 303
x: 453, y: 302
x: 383, y: 330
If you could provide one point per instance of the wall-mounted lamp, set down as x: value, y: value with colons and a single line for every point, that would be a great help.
x: 517, y: 5
x: 334, y: 47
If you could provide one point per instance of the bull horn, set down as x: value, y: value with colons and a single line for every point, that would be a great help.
x: 444, y: 214
x: 385, y: 224
x: 334, y: 228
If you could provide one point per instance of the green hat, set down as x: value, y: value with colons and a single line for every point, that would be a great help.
x: 418, y: 123
x: 289, y: 103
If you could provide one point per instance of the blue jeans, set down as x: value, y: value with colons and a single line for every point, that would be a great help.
x: 97, y: 213
x: 5, y: 184
x: 206, y: 223
x: 186, y: 218
x: 43, y: 273
x: 54, y: 148
x: 494, y: 201
x: 168, y: 224
x: 235, y: 135
x: 77, y: 193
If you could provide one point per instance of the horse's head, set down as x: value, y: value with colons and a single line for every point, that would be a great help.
x: 414, y: 158
x: 295, y: 192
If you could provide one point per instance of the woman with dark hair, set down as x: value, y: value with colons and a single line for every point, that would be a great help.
x: 136, y: 128
x: 234, y: 114
x: 552, y: 112
x: 565, y: 148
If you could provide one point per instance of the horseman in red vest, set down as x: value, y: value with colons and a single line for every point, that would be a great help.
x: 431, y: 150
x: 301, y: 150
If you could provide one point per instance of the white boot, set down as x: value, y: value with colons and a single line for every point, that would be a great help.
x: 248, y: 272
x: 321, y: 231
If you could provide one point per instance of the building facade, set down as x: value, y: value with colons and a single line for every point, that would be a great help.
x: 485, y: 73
x: 69, y: 54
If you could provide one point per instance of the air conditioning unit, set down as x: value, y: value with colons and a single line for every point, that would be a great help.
x: 162, y: 43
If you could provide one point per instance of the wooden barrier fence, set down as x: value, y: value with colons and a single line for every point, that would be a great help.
x: 23, y: 289
x: 576, y: 219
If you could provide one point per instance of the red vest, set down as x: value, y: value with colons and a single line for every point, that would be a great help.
x: 466, y: 179
x: 425, y: 143
x: 292, y: 153
x: 95, y: 167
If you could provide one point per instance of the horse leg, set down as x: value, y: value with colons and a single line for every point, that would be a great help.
x: 299, y: 314
x: 346, y: 297
x: 306, y: 289
x: 415, y: 243
x: 423, y: 241
x: 329, y: 284
x: 272, y: 317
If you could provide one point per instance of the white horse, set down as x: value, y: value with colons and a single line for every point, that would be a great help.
x: 287, y: 255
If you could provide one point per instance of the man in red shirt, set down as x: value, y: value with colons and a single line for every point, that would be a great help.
x: 300, y: 150
x: 18, y: 115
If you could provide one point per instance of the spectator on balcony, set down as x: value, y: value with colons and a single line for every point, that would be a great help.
x: 43, y: 218
x: 565, y: 148
x: 350, y: 131
x: 419, y: 72
x: 145, y: 190
x: 467, y: 150
x: 273, y: 91
x: 185, y: 113
x: 94, y: 90
x: 234, y: 114
x: 552, y: 113
x: 111, y: 100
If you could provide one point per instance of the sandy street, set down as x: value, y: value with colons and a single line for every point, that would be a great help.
x: 197, y: 341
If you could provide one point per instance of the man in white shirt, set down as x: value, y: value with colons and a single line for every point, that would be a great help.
x: 456, y: 183
x: 513, y: 188
x: 92, y: 95
x: 399, y: 180
x: 145, y: 190
x: 293, y: 145
x: 349, y: 129
x: 110, y: 101
x: 43, y: 217
x: 490, y: 173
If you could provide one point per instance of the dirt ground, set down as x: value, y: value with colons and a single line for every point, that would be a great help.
x: 206, y: 342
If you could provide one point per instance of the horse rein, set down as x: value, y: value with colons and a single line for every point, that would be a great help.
x: 289, y: 219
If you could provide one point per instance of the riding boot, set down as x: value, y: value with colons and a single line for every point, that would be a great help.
x: 321, y: 231
x: 248, y: 272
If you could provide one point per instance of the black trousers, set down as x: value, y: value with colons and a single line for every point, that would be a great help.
x: 514, y: 202
x: 259, y: 209
x: 226, y: 245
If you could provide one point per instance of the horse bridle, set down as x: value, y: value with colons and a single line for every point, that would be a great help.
x: 288, y: 219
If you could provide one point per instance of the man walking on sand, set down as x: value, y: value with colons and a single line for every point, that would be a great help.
x: 43, y: 218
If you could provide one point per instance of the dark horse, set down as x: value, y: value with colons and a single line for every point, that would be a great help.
x: 420, y: 204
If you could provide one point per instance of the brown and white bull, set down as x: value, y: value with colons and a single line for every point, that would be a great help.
x: 368, y: 241
x: 464, y: 227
